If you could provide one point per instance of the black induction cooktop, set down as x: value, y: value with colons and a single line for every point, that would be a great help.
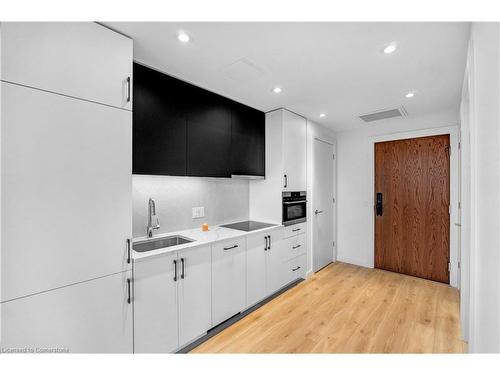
x: 248, y: 226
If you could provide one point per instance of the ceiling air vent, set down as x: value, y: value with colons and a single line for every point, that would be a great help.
x: 384, y: 113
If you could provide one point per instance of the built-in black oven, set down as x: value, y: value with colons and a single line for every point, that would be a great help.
x: 294, y: 207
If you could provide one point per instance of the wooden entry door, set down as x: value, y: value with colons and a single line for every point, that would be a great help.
x: 412, y: 199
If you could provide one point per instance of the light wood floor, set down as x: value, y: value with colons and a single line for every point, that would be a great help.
x: 350, y: 309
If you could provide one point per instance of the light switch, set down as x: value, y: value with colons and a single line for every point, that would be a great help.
x: 198, y: 212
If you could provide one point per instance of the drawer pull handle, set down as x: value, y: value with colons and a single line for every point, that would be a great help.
x: 295, y: 269
x: 296, y: 247
x: 230, y: 247
x: 295, y: 230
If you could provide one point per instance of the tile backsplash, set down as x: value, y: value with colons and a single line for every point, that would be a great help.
x: 225, y: 200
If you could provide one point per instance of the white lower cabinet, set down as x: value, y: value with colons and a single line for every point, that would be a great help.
x: 195, y: 299
x: 172, y: 300
x: 257, y: 246
x: 297, y: 267
x: 267, y: 266
x: 155, y: 305
x: 89, y: 317
x: 228, y: 279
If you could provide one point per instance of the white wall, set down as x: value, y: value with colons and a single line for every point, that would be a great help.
x: 225, y: 200
x: 484, y: 75
x: 316, y: 131
x: 355, y: 182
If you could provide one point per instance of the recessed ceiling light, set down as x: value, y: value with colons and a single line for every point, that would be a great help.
x: 277, y: 90
x: 183, y: 37
x: 411, y: 94
x: 390, y: 48
x: 322, y: 115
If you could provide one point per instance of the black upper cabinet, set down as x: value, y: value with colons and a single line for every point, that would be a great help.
x: 182, y: 130
x: 208, y: 134
x: 159, y: 123
x: 248, y: 142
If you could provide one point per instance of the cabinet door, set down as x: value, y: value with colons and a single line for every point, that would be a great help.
x: 208, y: 134
x: 257, y: 247
x: 277, y: 268
x: 80, y: 59
x: 228, y: 279
x: 195, y: 299
x: 248, y: 141
x: 66, y: 189
x: 155, y: 304
x: 159, y: 123
x: 89, y: 317
x: 294, y: 151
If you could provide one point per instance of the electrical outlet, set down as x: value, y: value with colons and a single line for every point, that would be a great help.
x: 198, y: 212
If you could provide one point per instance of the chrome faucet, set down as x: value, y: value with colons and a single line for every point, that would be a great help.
x: 151, y: 213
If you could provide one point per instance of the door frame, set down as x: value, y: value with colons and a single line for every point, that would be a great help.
x: 311, y: 200
x: 454, y: 133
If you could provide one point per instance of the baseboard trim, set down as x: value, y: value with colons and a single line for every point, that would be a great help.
x: 229, y: 322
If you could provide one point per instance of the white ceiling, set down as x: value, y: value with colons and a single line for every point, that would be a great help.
x: 335, y: 68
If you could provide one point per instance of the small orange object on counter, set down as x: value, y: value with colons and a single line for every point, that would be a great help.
x: 204, y: 227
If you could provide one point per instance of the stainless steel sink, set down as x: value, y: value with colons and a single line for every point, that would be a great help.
x: 160, y: 243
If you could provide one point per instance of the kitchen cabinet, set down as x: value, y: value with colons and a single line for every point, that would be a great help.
x: 294, y: 152
x: 208, y: 134
x: 183, y: 130
x: 79, y: 59
x: 247, y: 141
x: 159, y: 123
x: 285, y: 165
x: 195, y: 293
x: 89, y: 317
x: 228, y: 279
x: 172, y: 300
x: 266, y: 269
x: 155, y: 304
x: 66, y: 190
x: 297, y: 267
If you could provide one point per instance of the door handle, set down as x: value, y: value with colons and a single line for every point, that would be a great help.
x: 175, y: 270
x: 379, y: 206
x: 129, y: 299
x: 267, y: 244
x: 128, y: 89
x: 318, y: 212
x: 128, y: 250
x: 286, y: 181
x: 182, y: 268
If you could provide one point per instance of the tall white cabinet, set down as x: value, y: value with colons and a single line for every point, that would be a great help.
x: 66, y: 159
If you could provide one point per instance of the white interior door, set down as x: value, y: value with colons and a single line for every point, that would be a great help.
x: 323, y: 212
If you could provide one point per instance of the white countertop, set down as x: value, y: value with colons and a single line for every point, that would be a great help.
x: 213, y: 235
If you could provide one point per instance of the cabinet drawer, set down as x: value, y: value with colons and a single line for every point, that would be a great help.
x: 228, y: 279
x: 298, y: 267
x: 295, y: 246
x: 293, y: 230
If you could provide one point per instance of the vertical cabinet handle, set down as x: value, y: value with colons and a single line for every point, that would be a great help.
x: 286, y: 181
x: 269, y: 242
x: 128, y: 89
x: 267, y: 245
x: 129, y: 299
x: 128, y: 250
x: 182, y: 268
x: 175, y: 269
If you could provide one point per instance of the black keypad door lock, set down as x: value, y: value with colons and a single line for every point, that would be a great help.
x: 379, y: 206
